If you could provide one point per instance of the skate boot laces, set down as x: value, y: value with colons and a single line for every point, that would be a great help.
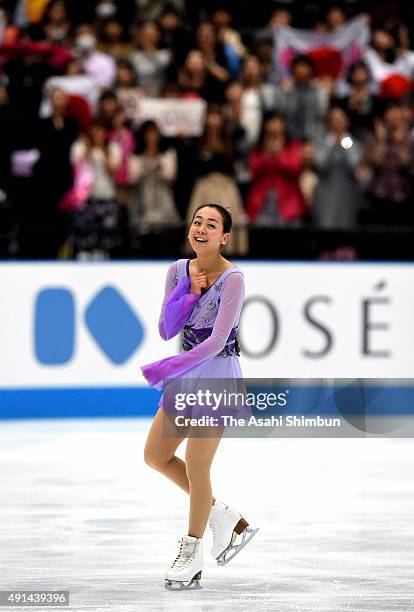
x: 185, y: 555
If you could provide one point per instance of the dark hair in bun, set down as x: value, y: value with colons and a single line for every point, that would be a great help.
x: 225, y: 215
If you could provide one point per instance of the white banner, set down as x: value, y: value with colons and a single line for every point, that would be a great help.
x: 173, y: 116
x: 94, y: 324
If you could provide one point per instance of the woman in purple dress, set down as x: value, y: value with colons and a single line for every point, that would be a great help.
x: 204, y: 297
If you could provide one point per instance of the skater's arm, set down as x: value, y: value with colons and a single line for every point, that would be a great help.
x: 229, y: 311
x: 177, y: 305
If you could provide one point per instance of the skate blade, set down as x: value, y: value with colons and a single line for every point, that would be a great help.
x: 232, y: 550
x: 189, y: 585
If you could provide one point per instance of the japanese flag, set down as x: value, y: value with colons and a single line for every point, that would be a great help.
x: 394, y: 80
x: 332, y: 52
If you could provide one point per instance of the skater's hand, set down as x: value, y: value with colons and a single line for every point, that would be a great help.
x: 198, y: 282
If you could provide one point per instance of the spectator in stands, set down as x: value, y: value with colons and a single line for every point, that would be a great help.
x: 389, y: 152
x: 124, y: 137
x: 275, y: 198
x: 56, y: 136
x: 127, y: 90
x: 96, y: 227
x: 238, y: 136
x: 398, y: 29
x: 100, y: 66
x: 82, y: 94
x: 53, y: 171
x: 335, y: 17
x: 391, y: 60
x: 264, y: 51
x: 153, y: 169
x: 56, y: 22
x: 359, y: 99
x: 280, y: 17
x: 215, y: 182
x: 107, y: 107
x: 175, y: 36
x: 197, y: 82
x: 337, y: 158
x: 391, y: 40
x: 149, y: 61
x: 213, y: 52
x: 257, y: 97
x: 215, y: 150
x: 112, y: 40
x: 233, y: 46
x: 26, y: 73
x: 303, y: 101
x: 125, y: 75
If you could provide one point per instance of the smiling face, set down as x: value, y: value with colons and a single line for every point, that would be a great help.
x: 206, y: 232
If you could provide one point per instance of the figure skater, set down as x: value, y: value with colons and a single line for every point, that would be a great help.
x: 204, y: 297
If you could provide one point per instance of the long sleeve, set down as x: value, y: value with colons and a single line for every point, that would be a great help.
x: 177, y: 305
x: 321, y: 102
x: 231, y: 302
x: 135, y: 167
x: 168, y: 165
x: 329, y: 153
x: 289, y: 161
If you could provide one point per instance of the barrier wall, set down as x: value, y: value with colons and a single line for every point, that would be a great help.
x: 73, y: 335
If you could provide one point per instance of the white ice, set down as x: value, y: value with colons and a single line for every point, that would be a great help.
x: 80, y: 510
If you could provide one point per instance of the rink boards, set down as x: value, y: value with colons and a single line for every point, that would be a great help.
x: 73, y: 335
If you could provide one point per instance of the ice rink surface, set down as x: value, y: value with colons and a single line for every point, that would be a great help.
x: 80, y: 510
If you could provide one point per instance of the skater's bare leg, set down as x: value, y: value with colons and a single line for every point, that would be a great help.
x: 198, y: 459
x: 159, y: 453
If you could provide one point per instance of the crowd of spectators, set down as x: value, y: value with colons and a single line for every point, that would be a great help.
x: 84, y: 172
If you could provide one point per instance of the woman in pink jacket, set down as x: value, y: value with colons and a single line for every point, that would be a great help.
x: 275, y: 198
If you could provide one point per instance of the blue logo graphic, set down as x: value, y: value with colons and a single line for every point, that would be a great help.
x: 112, y: 323
x: 54, y: 326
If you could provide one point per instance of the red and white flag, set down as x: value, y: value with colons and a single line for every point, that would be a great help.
x: 332, y: 52
x: 394, y: 80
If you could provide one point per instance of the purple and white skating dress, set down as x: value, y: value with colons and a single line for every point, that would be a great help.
x: 209, y: 322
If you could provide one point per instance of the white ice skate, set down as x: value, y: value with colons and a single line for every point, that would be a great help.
x: 226, y: 524
x: 185, y: 571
